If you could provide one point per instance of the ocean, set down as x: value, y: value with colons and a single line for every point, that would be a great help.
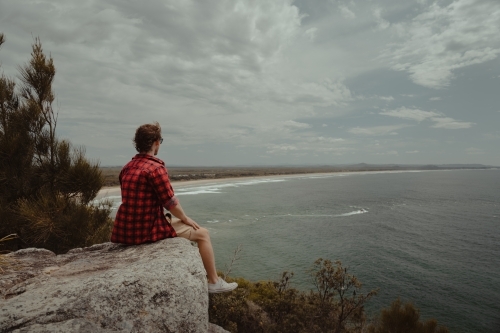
x: 429, y: 237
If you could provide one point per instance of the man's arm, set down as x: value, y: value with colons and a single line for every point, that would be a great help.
x: 178, y: 212
x: 165, y: 192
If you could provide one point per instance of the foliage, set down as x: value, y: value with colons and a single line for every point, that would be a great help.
x: 338, y: 294
x: 336, y: 306
x: 235, y: 258
x: 4, y: 261
x: 47, y: 186
x: 403, y: 318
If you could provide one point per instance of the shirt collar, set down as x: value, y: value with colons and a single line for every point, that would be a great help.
x: 149, y: 157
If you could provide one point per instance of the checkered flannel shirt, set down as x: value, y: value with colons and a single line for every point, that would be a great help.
x: 145, y: 189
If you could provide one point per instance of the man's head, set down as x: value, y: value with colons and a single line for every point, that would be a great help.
x: 146, y: 136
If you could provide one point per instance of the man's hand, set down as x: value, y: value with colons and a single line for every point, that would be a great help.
x: 179, y: 213
x: 189, y: 221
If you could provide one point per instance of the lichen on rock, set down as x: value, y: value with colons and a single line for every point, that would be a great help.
x: 156, y: 287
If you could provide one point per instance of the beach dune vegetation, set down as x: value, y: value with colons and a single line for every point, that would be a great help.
x: 47, y: 186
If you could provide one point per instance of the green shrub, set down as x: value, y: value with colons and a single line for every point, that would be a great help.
x: 403, y: 318
x: 337, y: 305
x: 47, y: 186
x: 274, y: 306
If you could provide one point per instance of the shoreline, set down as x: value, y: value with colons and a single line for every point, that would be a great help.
x: 107, y: 191
x: 186, y: 175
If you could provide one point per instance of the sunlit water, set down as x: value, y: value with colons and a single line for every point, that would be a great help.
x: 430, y: 237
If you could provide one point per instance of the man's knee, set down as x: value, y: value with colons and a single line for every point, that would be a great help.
x: 201, y: 234
x: 204, y: 232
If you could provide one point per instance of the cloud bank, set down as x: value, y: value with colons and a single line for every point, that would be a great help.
x: 439, y: 120
x: 444, y: 38
x: 235, y: 82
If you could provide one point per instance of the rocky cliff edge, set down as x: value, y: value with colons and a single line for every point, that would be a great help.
x: 157, y: 287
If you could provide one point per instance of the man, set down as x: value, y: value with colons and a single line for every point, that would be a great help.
x: 146, y: 191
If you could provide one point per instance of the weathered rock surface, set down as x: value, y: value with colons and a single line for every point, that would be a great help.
x: 157, y: 287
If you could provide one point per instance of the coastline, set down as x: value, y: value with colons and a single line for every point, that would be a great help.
x: 107, y: 191
x: 184, y: 176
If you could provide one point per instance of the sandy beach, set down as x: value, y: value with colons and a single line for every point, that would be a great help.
x: 109, y: 191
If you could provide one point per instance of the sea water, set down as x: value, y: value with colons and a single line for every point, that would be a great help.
x: 429, y: 237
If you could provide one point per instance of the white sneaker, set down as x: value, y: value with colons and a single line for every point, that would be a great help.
x: 221, y: 286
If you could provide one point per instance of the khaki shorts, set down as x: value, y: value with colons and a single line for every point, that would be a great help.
x: 181, y: 229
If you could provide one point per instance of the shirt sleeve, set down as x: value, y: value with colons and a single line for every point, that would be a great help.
x: 163, y: 188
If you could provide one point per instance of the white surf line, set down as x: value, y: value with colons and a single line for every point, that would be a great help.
x: 304, y: 215
x: 110, y: 190
x: 216, y: 188
x: 356, y: 212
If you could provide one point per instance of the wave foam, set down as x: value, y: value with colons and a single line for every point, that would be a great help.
x: 198, y: 191
x: 217, y: 188
x: 356, y: 212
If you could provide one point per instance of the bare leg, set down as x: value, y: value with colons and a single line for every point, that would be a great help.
x: 202, y: 237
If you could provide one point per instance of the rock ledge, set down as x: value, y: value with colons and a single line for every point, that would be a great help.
x: 157, y: 287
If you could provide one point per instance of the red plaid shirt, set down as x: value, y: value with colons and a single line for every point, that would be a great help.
x: 146, y: 189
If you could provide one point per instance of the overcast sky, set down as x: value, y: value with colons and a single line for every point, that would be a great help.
x: 271, y: 82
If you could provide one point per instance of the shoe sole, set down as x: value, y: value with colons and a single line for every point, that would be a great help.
x: 220, y: 291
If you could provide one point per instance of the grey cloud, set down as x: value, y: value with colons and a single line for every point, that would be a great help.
x: 413, y: 114
x: 305, y: 148
x: 215, y: 53
x: 295, y: 124
x: 445, y: 38
x: 290, y: 78
x: 492, y: 135
x: 382, y: 24
x: 328, y: 140
x: 346, y: 12
x: 474, y: 151
x: 419, y: 115
x: 450, y: 123
x: 390, y: 152
x: 377, y: 130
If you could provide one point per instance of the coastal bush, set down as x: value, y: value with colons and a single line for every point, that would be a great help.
x: 403, y: 318
x: 47, y: 186
x: 337, y: 305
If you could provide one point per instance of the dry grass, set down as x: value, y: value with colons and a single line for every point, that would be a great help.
x: 4, y: 261
x: 236, y: 257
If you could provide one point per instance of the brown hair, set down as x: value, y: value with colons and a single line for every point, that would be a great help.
x: 145, y: 136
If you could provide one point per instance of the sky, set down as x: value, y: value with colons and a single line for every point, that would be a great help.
x: 261, y: 82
